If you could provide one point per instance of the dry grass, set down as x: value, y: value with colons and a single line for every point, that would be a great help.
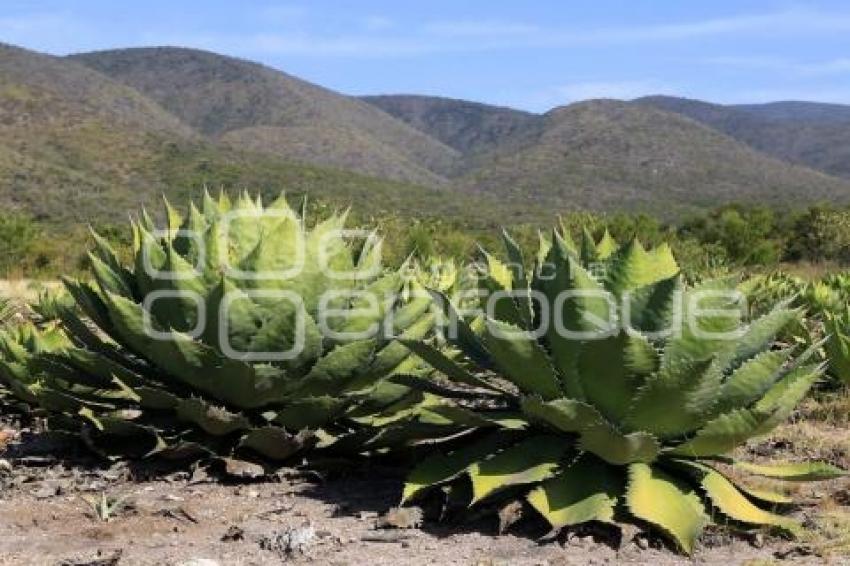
x: 25, y: 290
x: 818, y: 432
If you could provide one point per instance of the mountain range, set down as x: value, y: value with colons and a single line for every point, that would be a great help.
x: 89, y: 135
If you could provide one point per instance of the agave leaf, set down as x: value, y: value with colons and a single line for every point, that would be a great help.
x: 460, y: 333
x: 798, y: 471
x: 764, y: 495
x: 309, y: 412
x: 216, y: 421
x: 752, y: 379
x: 711, y: 315
x: 333, y: 372
x: 685, y: 391
x: 681, y: 515
x: 608, y: 379
x: 440, y: 468
x: 606, y: 246
x: 632, y: 267
x: 448, y: 367
x: 586, y: 490
x: 579, y: 301
x: 761, y: 333
x: 731, y: 429
x: 530, y: 461
x: 727, y: 498
x: 520, y: 280
x: 275, y: 443
x: 192, y: 362
x: 596, y: 434
x: 109, y: 279
x: 521, y: 359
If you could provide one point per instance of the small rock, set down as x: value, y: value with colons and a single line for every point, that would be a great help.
x: 47, y: 491
x: 401, y: 518
x: 289, y: 541
x: 757, y: 540
x: 508, y: 515
x: 233, y: 534
x: 5, y: 467
x: 240, y: 469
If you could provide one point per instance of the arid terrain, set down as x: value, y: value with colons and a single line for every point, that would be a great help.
x: 47, y: 515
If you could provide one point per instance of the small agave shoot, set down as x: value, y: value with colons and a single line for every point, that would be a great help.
x: 621, y: 400
x: 236, y: 327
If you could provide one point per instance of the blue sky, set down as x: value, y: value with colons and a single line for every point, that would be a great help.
x: 527, y: 54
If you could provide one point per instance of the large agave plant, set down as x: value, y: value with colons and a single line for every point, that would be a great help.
x: 621, y: 399
x: 235, y: 327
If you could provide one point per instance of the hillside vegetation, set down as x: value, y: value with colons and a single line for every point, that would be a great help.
x: 91, y: 135
x: 813, y: 134
x: 241, y: 102
x: 608, y: 155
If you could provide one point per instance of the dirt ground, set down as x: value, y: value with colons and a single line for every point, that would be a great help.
x: 47, y: 517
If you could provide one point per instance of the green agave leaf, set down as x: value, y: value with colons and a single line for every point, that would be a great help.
x: 334, y: 371
x: 606, y: 246
x: 674, y: 400
x: 587, y: 252
x: 521, y: 359
x: 798, y: 471
x: 632, y: 267
x: 586, y: 490
x: 764, y: 495
x: 762, y: 332
x: 441, y: 468
x: 662, y: 500
x: 108, y: 278
x: 194, y: 363
x: 596, y: 435
x: 107, y: 255
x: 752, y: 379
x: 513, y: 308
x: 460, y: 333
x: 275, y: 443
x: 584, y: 310
x: 520, y: 279
x: 732, y: 429
x: 445, y: 365
x: 721, y: 435
x: 532, y: 460
x: 705, y: 331
x: 213, y: 420
x: 726, y: 497
x: 837, y: 349
x: 310, y: 412
x: 608, y: 378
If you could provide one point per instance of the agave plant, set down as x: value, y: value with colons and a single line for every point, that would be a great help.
x: 235, y: 327
x: 616, y: 392
x: 825, y: 302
